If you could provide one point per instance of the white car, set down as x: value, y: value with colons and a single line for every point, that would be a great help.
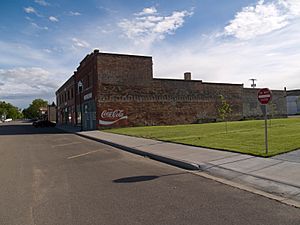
x: 8, y: 120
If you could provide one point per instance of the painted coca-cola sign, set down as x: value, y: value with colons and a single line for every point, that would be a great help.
x: 111, y: 116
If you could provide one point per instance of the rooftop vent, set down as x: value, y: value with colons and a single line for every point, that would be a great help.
x: 187, y: 76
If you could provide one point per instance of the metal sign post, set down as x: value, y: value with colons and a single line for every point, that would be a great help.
x: 264, y: 96
x: 266, y: 129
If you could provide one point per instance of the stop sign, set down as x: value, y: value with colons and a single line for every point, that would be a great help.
x: 264, y: 95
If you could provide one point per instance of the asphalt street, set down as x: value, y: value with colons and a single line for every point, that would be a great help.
x: 49, y: 177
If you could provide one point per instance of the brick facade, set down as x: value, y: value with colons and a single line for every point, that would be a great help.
x: 119, y: 90
x: 65, y: 100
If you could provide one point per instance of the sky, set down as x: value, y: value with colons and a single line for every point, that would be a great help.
x: 43, y: 41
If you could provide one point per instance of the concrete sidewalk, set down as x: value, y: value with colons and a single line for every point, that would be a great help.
x: 279, y: 175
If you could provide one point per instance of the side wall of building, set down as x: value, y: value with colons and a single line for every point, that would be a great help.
x: 186, y: 103
x: 126, y: 85
x: 252, y: 108
x: 86, y: 74
x: 51, y: 113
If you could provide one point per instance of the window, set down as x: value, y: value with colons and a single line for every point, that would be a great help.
x: 72, y: 93
x: 68, y: 94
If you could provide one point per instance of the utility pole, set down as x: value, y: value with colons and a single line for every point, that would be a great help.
x: 253, y: 85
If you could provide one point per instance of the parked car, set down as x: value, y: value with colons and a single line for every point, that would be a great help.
x: 43, y: 123
x: 8, y: 120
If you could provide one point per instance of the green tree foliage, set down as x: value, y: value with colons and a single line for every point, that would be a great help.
x: 224, y: 110
x: 33, y: 110
x: 272, y: 111
x: 9, y: 111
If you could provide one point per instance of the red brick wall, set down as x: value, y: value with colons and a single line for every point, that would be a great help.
x: 64, y: 99
x: 87, y: 74
x: 124, y: 69
x: 168, y: 102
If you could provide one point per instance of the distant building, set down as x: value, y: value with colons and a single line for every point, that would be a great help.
x: 52, y: 112
x: 43, y: 113
x: 48, y: 113
x: 111, y: 90
x: 293, y: 102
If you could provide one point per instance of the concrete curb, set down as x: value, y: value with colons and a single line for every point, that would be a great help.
x: 179, y: 163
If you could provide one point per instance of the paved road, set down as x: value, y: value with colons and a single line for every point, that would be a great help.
x: 50, y: 177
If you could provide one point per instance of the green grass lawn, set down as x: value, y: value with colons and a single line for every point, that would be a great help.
x: 243, y: 136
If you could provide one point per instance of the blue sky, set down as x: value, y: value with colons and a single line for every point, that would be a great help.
x: 43, y: 41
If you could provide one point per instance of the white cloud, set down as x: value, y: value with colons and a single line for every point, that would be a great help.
x: 262, y: 18
x: 30, y: 81
x: 108, y: 10
x: 47, y: 50
x: 24, y: 75
x: 80, y: 43
x: 292, y: 6
x: 41, y: 2
x: 148, y: 27
x: 273, y: 59
x: 147, y: 11
x: 74, y: 13
x: 39, y: 27
x: 53, y: 19
x: 30, y: 10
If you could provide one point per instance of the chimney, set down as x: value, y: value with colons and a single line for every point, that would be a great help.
x: 96, y: 51
x: 187, y: 76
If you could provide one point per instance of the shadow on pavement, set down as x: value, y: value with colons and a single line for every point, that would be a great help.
x: 26, y: 129
x: 135, y: 179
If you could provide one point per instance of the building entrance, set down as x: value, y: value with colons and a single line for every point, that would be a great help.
x: 89, y: 115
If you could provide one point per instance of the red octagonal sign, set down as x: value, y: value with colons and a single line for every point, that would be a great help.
x: 264, y: 95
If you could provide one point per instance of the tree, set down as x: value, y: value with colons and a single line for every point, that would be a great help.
x: 33, y: 110
x: 272, y: 112
x: 7, y: 110
x: 224, y: 110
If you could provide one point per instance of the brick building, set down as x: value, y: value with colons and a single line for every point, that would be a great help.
x: 65, y: 100
x: 119, y: 90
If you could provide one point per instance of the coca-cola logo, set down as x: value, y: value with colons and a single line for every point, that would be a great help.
x: 112, y: 114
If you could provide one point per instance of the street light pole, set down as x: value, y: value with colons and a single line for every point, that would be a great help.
x: 80, y: 86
